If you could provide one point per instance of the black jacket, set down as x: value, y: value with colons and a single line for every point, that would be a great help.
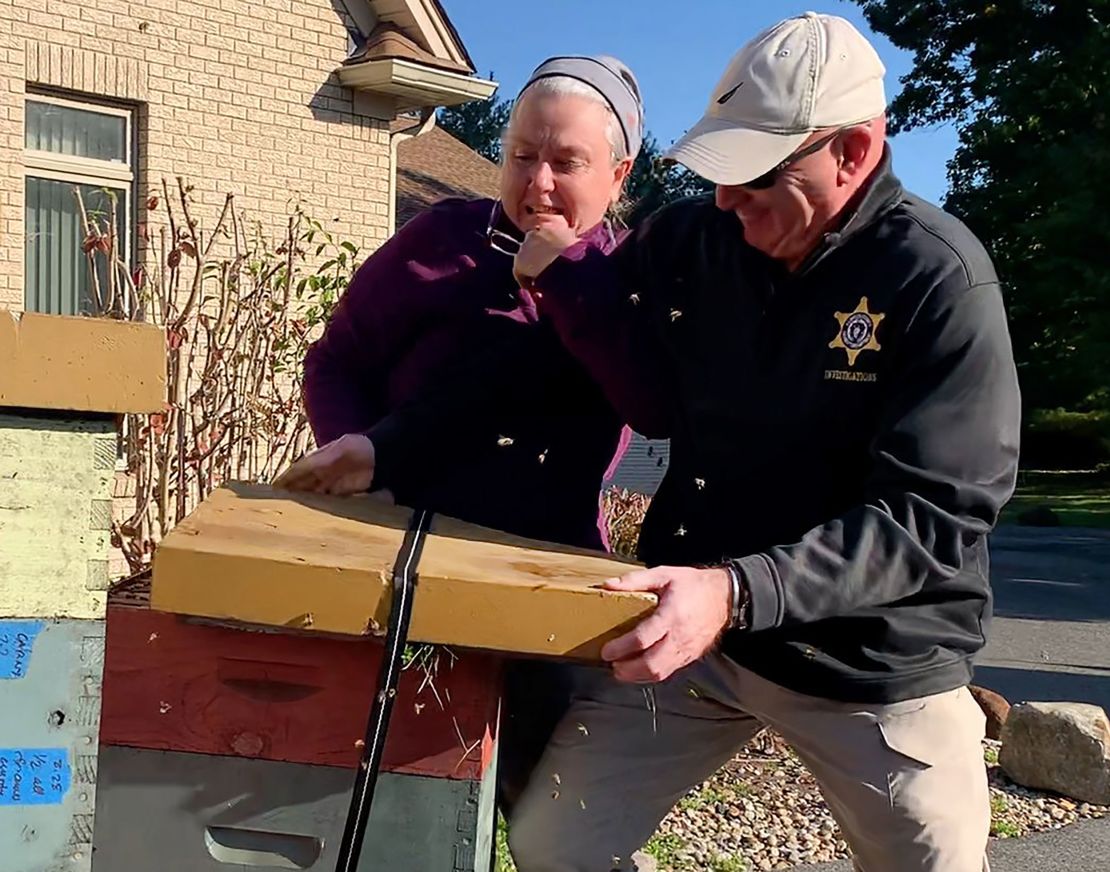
x: 846, y: 433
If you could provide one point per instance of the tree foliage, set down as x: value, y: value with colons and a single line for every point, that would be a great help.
x: 1027, y: 85
x: 479, y: 124
x: 653, y: 183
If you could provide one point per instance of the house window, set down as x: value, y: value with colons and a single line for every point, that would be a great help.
x: 72, y: 144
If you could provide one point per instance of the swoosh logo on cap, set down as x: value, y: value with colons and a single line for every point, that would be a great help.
x: 727, y: 95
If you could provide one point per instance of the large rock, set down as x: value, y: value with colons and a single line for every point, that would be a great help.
x: 995, y: 708
x: 1060, y: 746
x: 644, y: 862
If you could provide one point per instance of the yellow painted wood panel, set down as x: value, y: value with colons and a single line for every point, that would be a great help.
x: 324, y: 564
x: 81, y: 364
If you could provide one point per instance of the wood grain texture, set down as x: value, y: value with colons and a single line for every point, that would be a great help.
x: 178, y: 686
x: 324, y: 564
x: 81, y: 364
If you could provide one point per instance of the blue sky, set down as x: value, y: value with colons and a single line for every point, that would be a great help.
x: 678, y: 50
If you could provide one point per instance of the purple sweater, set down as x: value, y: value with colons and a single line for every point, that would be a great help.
x: 419, y: 316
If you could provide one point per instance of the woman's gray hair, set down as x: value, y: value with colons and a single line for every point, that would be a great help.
x: 565, y: 86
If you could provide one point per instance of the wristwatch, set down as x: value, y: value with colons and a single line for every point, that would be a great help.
x: 740, y: 599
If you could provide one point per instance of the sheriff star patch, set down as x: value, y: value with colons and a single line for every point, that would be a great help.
x: 857, y: 331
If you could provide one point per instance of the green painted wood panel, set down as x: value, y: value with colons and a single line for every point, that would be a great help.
x: 178, y: 812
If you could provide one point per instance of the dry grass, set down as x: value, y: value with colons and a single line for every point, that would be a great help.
x: 624, y: 513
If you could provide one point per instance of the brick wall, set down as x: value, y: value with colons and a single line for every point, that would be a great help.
x: 234, y: 96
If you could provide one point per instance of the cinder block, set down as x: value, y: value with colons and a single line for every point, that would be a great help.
x: 50, y: 679
x: 174, y: 812
x: 53, y: 547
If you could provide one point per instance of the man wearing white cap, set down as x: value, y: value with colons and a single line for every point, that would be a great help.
x: 844, y: 414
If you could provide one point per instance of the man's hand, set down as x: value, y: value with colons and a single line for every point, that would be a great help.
x: 693, y: 610
x: 541, y: 246
x: 345, y: 466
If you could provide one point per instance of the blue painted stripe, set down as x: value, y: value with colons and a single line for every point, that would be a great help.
x: 33, y: 776
x: 17, y: 638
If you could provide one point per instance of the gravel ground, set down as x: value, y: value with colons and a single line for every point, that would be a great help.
x: 763, y: 811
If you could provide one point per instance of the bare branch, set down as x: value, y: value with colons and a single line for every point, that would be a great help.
x: 237, y: 333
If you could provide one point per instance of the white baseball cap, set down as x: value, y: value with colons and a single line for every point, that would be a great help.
x: 803, y: 74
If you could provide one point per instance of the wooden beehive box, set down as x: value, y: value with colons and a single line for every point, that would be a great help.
x: 254, y: 555
x: 174, y: 683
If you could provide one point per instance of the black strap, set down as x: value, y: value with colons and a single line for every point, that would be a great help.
x: 366, y: 780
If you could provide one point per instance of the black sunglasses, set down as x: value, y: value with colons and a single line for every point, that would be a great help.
x: 768, y: 179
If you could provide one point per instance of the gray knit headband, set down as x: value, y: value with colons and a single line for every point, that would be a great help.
x: 610, y: 78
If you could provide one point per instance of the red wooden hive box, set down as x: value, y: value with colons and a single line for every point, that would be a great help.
x: 174, y: 684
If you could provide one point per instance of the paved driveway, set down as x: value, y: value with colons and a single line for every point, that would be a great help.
x: 1051, y: 634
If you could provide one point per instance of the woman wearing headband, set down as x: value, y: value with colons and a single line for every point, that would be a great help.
x: 441, y: 293
x: 437, y: 299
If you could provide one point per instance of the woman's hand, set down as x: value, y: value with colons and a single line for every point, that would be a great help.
x: 541, y: 246
x: 344, y: 466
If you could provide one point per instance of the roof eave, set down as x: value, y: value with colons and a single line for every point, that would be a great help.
x: 415, y: 85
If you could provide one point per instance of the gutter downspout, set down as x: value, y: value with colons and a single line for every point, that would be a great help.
x: 427, y: 122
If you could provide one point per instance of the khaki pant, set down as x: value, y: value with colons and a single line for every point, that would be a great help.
x: 905, y: 781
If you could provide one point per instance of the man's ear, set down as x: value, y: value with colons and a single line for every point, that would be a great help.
x: 857, y: 153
